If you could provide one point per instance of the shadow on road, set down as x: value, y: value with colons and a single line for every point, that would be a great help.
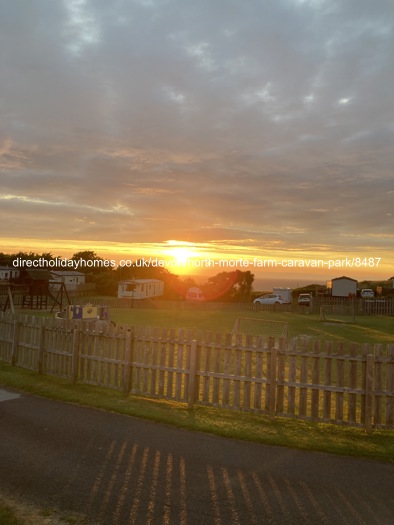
x: 118, y: 470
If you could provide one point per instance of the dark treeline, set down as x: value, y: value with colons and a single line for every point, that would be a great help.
x: 234, y: 286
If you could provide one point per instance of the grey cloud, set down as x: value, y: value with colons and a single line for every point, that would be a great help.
x: 166, y: 119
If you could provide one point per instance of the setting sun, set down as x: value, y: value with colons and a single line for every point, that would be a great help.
x: 180, y: 254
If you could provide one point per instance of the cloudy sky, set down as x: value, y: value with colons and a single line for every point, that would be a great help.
x: 243, y: 127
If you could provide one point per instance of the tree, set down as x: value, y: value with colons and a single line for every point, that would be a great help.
x: 90, y: 262
x: 97, y: 271
x: 5, y: 259
x: 8, y: 259
x: 243, y: 287
x: 229, y: 286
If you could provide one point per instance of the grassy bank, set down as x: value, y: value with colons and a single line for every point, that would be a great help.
x: 250, y: 427
x: 8, y: 516
x: 18, y: 511
x: 367, y: 329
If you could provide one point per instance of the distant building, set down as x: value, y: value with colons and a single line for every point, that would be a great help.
x: 8, y: 272
x: 392, y: 281
x: 140, y: 288
x: 71, y: 279
x: 343, y: 287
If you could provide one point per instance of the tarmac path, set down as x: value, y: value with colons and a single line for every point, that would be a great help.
x: 118, y: 470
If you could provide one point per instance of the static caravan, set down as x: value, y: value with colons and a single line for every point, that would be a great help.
x: 140, y: 288
x: 71, y: 279
x: 343, y: 287
x: 8, y: 272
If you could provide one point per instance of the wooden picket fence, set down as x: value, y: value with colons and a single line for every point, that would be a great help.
x: 361, y: 307
x: 310, y: 380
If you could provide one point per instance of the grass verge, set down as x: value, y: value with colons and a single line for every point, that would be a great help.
x: 15, y: 511
x: 342, y: 440
x: 8, y: 516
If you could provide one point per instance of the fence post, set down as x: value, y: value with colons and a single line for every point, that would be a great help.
x: 273, y: 378
x: 128, y: 358
x: 15, y: 341
x: 192, y: 373
x: 281, y: 366
x: 369, y: 373
x: 390, y: 386
x: 41, y: 345
x: 75, y: 358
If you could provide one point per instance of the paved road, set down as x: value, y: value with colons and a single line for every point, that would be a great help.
x: 120, y: 470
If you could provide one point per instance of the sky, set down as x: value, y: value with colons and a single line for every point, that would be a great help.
x: 228, y: 129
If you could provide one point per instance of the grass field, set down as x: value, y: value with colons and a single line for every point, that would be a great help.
x: 367, y: 329
x: 8, y: 516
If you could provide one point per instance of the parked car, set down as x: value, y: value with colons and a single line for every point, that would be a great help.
x: 304, y: 299
x: 367, y: 293
x: 269, y: 298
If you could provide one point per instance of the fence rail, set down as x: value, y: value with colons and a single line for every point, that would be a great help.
x: 310, y: 380
x: 359, y: 306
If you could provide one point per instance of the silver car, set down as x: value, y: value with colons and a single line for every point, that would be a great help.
x: 304, y: 298
x: 269, y: 298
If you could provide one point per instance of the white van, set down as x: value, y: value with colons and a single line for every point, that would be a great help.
x: 194, y: 294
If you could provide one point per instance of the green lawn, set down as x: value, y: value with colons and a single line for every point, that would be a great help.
x: 8, y: 516
x: 367, y: 329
